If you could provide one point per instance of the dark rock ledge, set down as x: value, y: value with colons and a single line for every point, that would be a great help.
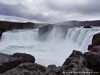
x: 7, y: 25
x: 24, y: 64
x: 76, y: 64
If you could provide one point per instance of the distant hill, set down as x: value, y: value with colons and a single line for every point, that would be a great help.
x: 80, y: 23
x: 7, y: 25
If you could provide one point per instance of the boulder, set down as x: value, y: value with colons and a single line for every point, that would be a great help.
x: 95, y: 41
x: 93, y: 58
x: 76, y: 63
x: 23, y: 64
x: 27, y: 69
x: 10, y: 61
x: 22, y: 57
x: 53, y: 70
x: 77, y: 58
x: 34, y: 69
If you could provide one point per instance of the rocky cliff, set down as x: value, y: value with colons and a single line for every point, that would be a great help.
x: 7, y: 25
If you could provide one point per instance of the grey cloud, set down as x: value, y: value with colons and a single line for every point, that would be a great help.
x: 57, y: 11
x: 91, y: 7
x: 10, y: 9
x: 20, y: 11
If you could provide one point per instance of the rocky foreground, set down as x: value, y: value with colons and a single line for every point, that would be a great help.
x: 76, y: 64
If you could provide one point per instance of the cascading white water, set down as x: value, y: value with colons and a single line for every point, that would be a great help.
x: 82, y: 36
x: 20, y: 35
x: 52, y: 51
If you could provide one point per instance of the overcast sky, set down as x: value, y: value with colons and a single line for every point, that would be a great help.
x: 49, y: 10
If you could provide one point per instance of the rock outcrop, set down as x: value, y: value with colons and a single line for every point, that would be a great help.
x: 7, y: 25
x: 10, y: 61
x: 24, y: 64
x: 76, y: 62
x: 27, y: 69
x: 93, y: 56
x: 93, y: 60
x: 95, y: 41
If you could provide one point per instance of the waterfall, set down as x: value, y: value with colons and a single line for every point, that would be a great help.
x: 82, y: 36
x: 20, y: 35
x: 56, y: 34
x: 57, y: 46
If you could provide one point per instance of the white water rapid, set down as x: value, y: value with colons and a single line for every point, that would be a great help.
x: 52, y: 51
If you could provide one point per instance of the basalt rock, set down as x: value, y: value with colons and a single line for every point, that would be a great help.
x: 95, y: 41
x: 10, y: 61
x: 34, y: 69
x: 22, y: 57
x: 76, y: 62
x: 76, y: 57
x: 7, y: 25
x: 23, y: 64
x: 27, y: 69
x: 87, y: 27
x: 93, y: 56
x: 93, y: 59
x: 54, y: 70
x: 96, y: 49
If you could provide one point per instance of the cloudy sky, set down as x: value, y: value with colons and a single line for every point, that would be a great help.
x: 49, y: 11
